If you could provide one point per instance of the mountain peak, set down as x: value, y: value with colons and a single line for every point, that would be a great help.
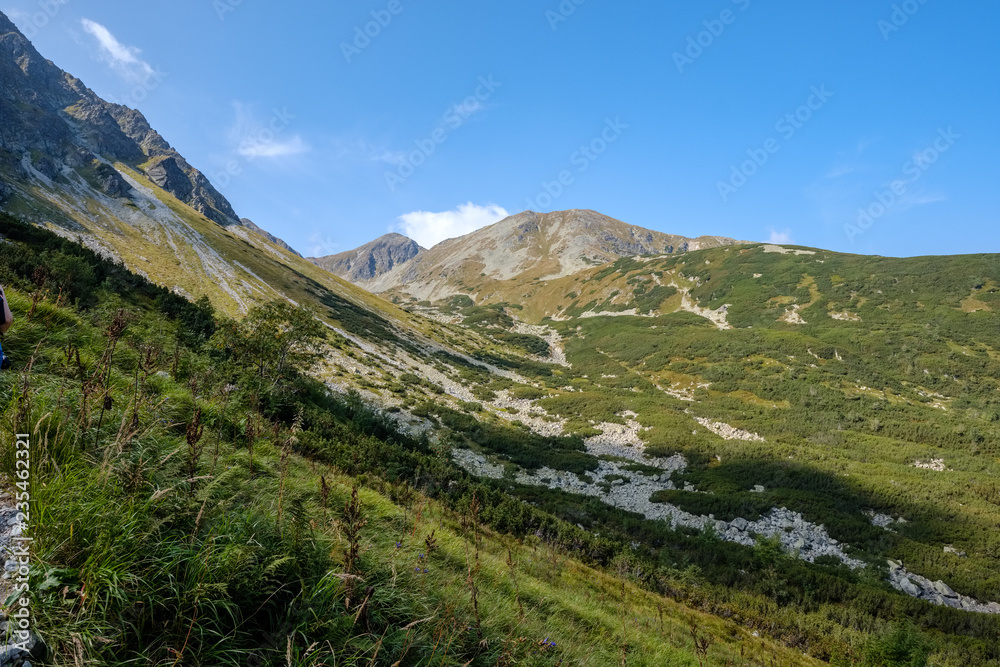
x: 526, y: 247
x: 373, y: 259
x: 55, y: 125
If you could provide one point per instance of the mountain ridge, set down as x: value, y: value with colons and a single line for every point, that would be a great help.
x: 73, y: 127
x: 372, y: 259
x: 98, y: 172
x: 493, y: 263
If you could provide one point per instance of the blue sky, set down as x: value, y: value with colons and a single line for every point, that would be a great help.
x: 861, y: 126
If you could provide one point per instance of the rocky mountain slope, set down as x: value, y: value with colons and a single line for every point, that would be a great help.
x: 55, y: 127
x: 763, y: 427
x: 491, y: 263
x: 253, y: 227
x: 97, y: 172
x: 373, y: 259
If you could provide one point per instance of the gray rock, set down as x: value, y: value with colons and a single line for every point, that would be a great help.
x: 372, y: 259
x: 37, y: 648
x: 168, y: 175
x: 909, y: 587
x: 944, y: 589
x: 739, y: 524
x: 110, y: 182
x: 46, y: 166
x: 9, y: 654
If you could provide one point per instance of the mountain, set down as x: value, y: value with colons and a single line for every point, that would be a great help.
x: 54, y: 126
x: 505, y: 261
x: 97, y: 172
x: 249, y: 224
x: 371, y: 260
x: 790, y: 450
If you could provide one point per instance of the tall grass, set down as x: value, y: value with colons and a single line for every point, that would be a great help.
x: 169, y: 533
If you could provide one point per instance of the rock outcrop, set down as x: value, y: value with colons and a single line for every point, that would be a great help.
x: 936, y: 592
x: 371, y: 260
x: 51, y: 117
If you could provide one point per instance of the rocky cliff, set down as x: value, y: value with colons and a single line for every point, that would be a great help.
x: 53, y: 124
x: 371, y: 260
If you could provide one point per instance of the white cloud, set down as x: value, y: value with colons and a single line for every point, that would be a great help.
x: 357, y: 149
x: 123, y: 59
x: 321, y: 245
x: 252, y: 138
x: 428, y: 229
x: 842, y: 170
x: 784, y: 236
x: 464, y: 110
x: 274, y: 148
x: 909, y: 200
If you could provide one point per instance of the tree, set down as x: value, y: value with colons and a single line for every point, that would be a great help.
x: 272, y: 340
x: 899, y: 645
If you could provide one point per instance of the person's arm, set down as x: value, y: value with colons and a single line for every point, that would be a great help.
x: 8, y: 318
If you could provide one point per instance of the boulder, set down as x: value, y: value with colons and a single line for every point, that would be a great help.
x: 111, y: 182
x: 944, y: 589
x: 168, y: 175
x: 47, y: 167
x: 909, y: 587
x: 9, y: 653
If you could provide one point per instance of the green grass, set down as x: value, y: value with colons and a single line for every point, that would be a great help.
x: 246, y: 561
x: 846, y: 407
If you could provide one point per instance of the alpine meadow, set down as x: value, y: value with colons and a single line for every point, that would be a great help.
x: 400, y: 420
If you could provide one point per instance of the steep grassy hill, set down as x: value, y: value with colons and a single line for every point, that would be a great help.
x: 198, y: 499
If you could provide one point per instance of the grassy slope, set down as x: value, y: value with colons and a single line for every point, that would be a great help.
x: 118, y: 530
x: 866, y: 415
x: 856, y: 400
x: 906, y: 372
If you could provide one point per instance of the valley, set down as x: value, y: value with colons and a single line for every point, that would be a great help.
x: 559, y: 439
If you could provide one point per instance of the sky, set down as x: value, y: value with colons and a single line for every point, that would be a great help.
x: 862, y: 126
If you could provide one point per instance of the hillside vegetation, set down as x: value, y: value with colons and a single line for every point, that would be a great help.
x: 198, y: 500
x: 840, y: 387
x: 197, y: 504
